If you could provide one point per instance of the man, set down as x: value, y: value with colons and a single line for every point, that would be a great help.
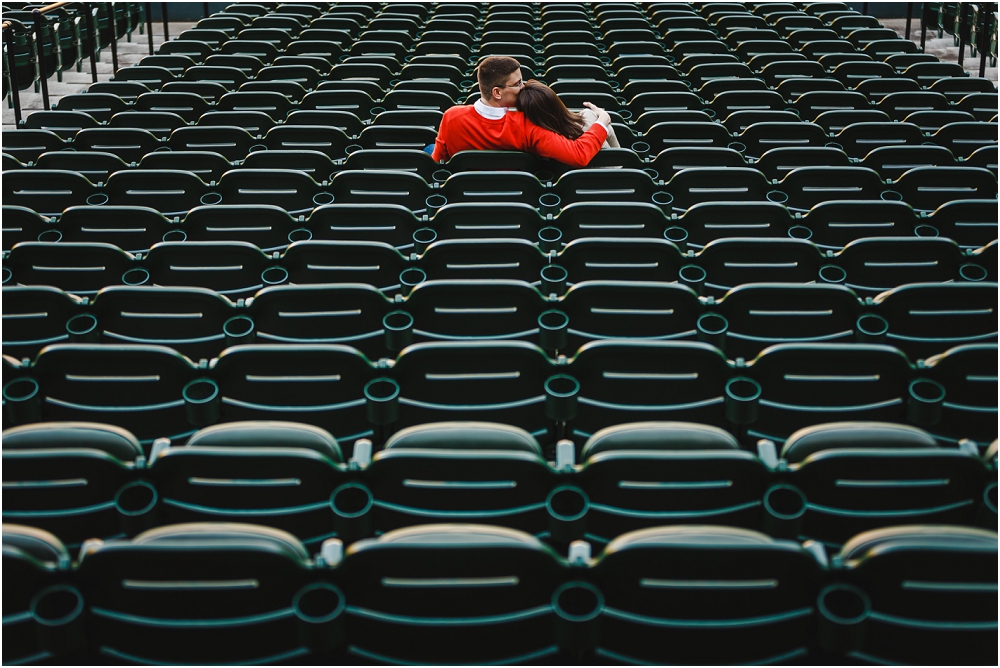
x: 493, y: 122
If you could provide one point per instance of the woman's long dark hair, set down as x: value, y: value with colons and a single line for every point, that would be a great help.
x: 542, y: 106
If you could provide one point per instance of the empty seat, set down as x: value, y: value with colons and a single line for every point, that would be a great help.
x: 925, y: 589
x: 101, y: 457
x: 718, y: 573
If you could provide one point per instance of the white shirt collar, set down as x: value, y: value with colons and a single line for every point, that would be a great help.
x: 492, y: 113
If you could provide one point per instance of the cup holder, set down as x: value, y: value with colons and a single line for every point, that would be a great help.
x: 561, y: 392
x: 375, y: 111
x: 692, y: 276
x: 398, y: 328
x: 175, y: 235
x: 577, y: 607
x: 973, y: 273
x: 544, y: 175
x: 351, y: 504
x: 257, y: 148
x: 82, y: 328
x: 988, y: 512
x: 323, y: 198
x: 22, y: 401
x: 136, y: 504
x: 843, y: 614
x: 274, y: 276
x: 319, y: 614
x: 353, y: 148
x: 202, y: 402
x: 434, y: 203
x: 653, y: 174
x: 300, y: 234
x: 742, y: 398
x: 924, y: 402
x: 210, y: 198
x: 784, y: 510
x: 871, y: 328
x: 641, y: 148
x: 800, y: 232
x: 422, y: 238
x: 831, y: 273
x: 924, y: 230
x: 675, y: 234
x: 553, y: 330
x: 7, y: 275
x: 382, y: 401
x: 739, y: 147
x: 57, y: 612
x: 440, y: 175
x: 238, y: 330
x: 97, y: 199
x: 50, y: 236
x: 135, y: 276
x: 890, y: 196
x: 549, y: 239
x: 662, y: 198
x: 554, y: 279
x: 549, y: 203
x: 776, y: 196
x: 712, y: 328
x: 411, y: 278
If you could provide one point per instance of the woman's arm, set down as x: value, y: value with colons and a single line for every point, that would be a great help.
x: 573, y: 152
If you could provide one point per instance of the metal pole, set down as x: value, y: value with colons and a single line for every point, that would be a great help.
x: 113, y: 21
x: 40, y: 50
x: 149, y: 25
x: 91, y: 39
x: 864, y: 8
x: 984, y: 38
x: 15, y: 94
x: 909, y: 18
x: 166, y: 26
x: 204, y: 7
x: 962, y: 23
x: 923, y: 25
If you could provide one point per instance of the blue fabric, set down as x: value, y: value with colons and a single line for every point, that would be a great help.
x: 429, y: 149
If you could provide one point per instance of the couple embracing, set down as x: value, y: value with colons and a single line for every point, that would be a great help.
x: 518, y: 115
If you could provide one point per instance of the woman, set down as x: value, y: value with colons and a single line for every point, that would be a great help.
x: 542, y: 106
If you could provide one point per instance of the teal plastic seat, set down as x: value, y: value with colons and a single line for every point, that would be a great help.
x: 234, y: 269
x: 371, y: 262
x: 717, y: 575
x: 101, y: 455
x: 966, y: 412
x: 173, y: 630
x: 134, y: 315
x: 353, y: 314
x: 507, y: 623
x: 32, y: 558
x: 922, y: 624
x: 633, y: 310
x: 261, y: 455
x: 24, y: 336
x: 131, y: 228
x: 78, y: 268
x: 316, y: 384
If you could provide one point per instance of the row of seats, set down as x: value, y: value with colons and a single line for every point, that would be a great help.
x: 922, y: 320
x: 830, y: 225
x: 467, y: 593
x: 871, y: 143
x: 238, y: 270
x: 155, y: 392
x: 828, y: 483
x: 174, y: 192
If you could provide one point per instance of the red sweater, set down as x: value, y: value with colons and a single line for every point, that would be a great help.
x: 464, y: 129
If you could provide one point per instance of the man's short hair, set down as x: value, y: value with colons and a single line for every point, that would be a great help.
x: 494, y: 71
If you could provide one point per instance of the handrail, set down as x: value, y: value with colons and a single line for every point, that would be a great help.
x: 54, y: 5
x: 7, y: 24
